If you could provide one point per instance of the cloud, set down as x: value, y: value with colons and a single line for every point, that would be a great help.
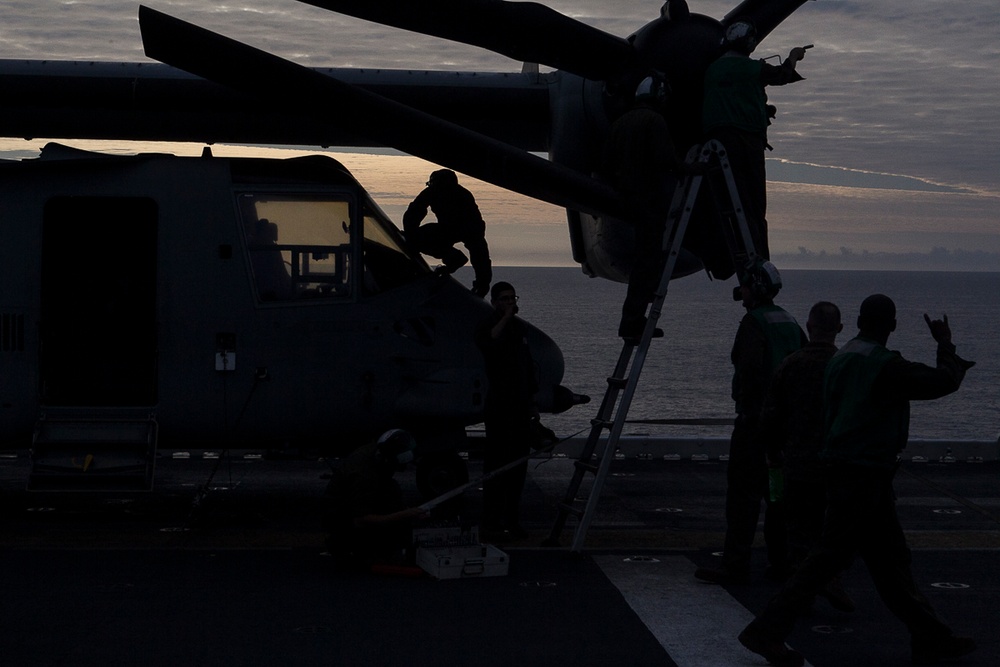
x: 936, y: 259
x: 900, y: 98
x: 816, y: 174
x: 895, y: 87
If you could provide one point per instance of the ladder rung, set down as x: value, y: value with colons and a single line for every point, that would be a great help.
x: 586, y: 465
x: 601, y: 423
x: 618, y: 383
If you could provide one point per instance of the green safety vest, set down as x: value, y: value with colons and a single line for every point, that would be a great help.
x: 783, y: 333
x: 734, y: 95
x: 861, y: 429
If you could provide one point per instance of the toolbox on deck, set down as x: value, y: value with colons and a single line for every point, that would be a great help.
x: 446, y: 535
x: 460, y: 562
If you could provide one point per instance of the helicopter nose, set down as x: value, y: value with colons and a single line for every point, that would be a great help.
x: 551, y: 395
x: 565, y: 399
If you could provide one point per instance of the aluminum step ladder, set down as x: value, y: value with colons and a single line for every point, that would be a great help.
x: 598, y: 452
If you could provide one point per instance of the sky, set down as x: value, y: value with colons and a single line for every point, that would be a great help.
x: 886, y: 157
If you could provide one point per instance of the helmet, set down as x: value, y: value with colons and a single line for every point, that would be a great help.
x: 442, y: 177
x: 651, y: 89
x: 741, y: 36
x: 763, y: 280
x: 395, y: 447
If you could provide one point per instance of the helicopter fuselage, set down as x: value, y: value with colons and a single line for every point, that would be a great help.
x: 237, y: 301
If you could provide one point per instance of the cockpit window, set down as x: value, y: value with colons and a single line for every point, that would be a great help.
x: 299, y: 245
x: 388, y: 262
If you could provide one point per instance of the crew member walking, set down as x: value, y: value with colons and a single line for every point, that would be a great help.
x: 792, y: 426
x: 867, y: 393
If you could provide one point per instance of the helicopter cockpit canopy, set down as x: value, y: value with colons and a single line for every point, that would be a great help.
x: 307, y: 246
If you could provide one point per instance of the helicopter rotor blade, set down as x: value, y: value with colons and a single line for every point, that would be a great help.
x: 322, y: 97
x: 524, y: 31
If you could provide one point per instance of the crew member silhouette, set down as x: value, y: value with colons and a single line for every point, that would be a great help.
x: 791, y: 425
x: 736, y: 113
x: 642, y: 164
x: 511, y: 416
x: 458, y: 221
x: 766, y: 335
x: 367, y: 520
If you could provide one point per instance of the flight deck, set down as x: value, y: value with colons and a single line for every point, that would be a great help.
x: 224, y: 563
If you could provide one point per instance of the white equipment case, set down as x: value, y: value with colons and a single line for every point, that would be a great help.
x: 462, y: 562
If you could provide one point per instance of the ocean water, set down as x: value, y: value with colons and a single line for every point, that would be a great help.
x: 687, y: 373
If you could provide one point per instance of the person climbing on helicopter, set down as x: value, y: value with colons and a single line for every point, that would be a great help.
x: 458, y: 221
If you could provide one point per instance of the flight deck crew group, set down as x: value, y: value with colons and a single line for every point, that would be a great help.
x: 866, y: 393
x: 818, y: 430
x: 834, y: 421
x: 848, y: 424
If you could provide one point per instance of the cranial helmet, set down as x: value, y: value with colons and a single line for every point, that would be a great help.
x: 442, y: 177
x: 395, y: 447
x: 741, y: 36
x: 763, y: 280
x: 651, y: 89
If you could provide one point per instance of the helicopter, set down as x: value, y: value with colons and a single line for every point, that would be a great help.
x: 154, y: 299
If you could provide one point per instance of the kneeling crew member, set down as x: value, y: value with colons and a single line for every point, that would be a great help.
x: 458, y: 221
x: 368, y: 522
